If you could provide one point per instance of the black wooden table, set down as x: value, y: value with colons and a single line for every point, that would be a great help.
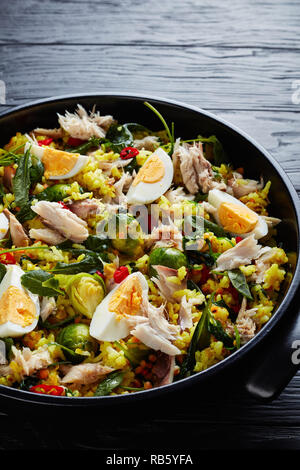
x: 238, y: 59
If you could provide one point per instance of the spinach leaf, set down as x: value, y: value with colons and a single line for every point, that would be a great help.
x: 30, y: 171
x: 53, y: 283
x: 223, y: 304
x: 212, y: 227
x: 210, y: 257
x: 96, y: 244
x: 99, y: 256
x: 118, y: 133
x: 132, y: 166
x: 200, y: 197
x: 36, y: 170
x: 2, y: 193
x: 206, y: 326
x: 196, y: 225
x: 27, y: 258
x: 90, y: 264
x: 70, y: 354
x: 2, y: 271
x: 198, y: 257
x: 216, y: 329
x: 213, y: 148
x: 134, y: 127
x: 26, y: 213
x: 28, y: 382
x: 21, y: 181
x: 118, y: 137
x: 112, y: 381
x: 9, y: 342
x: 200, y: 340
x: 239, y: 282
x: 41, y: 283
x: 84, y: 148
x: 67, y: 245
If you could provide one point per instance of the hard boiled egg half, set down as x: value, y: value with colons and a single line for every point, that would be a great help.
x: 57, y: 163
x: 109, y: 322
x: 19, y: 308
x: 235, y: 217
x: 153, y: 179
x: 3, y: 225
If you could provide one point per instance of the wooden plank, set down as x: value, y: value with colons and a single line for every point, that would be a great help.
x: 225, y: 418
x: 277, y: 132
x: 211, y: 77
x: 238, y: 61
x: 241, y: 23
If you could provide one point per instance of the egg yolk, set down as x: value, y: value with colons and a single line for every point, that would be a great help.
x: 57, y: 162
x: 127, y: 298
x: 17, y: 307
x: 151, y: 172
x: 236, y: 218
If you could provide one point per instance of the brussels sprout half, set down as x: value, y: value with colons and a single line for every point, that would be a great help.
x: 73, y: 337
x: 132, y: 245
x: 85, y: 291
x: 164, y: 256
x: 55, y: 193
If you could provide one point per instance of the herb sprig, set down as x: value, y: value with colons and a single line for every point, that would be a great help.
x: 169, y: 133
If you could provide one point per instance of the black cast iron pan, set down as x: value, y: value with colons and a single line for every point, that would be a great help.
x: 266, y: 361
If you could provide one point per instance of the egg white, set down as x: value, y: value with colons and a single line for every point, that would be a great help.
x: 38, y: 151
x: 145, y: 193
x: 217, y: 197
x: 3, y: 225
x: 107, y: 325
x: 13, y: 278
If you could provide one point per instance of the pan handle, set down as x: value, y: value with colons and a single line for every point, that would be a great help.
x: 277, y: 360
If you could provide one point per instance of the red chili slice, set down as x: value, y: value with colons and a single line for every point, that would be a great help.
x: 204, y: 274
x: 63, y: 205
x: 7, y: 258
x: 238, y: 239
x: 45, y: 142
x: 73, y: 142
x: 129, y: 152
x: 120, y: 274
x: 48, y: 389
x: 100, y: 274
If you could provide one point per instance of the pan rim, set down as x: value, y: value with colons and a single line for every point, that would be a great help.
x: 26, y: 396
